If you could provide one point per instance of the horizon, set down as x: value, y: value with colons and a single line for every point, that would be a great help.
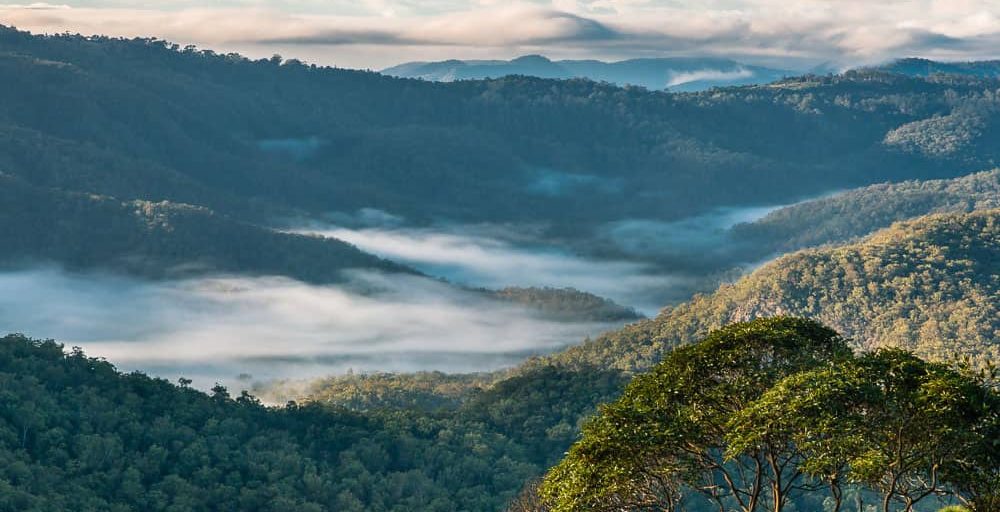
x: 821, y: 68
x: 377, y: 34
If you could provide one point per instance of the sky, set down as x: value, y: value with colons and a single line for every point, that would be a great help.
x: 373, y: 34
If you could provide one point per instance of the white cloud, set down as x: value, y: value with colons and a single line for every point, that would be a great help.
x: 707, y: 74
x: 381, y: 32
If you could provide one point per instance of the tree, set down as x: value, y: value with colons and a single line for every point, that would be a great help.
x: 888, y: 420
x: 666, y: 434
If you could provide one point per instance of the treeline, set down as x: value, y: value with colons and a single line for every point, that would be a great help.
x: 779, y: 414
x: 76, y: 434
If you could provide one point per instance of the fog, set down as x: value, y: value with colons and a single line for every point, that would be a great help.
x: 707, y: 74
x: 660, y: 262
x: 467, y: 257
x: 275, y: 328
x: 243, y: 330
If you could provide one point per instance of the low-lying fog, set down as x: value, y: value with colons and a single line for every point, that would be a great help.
x: 479, y: 261
x: 241, y: 330
x: 477, y: 256
x: 275, y: 328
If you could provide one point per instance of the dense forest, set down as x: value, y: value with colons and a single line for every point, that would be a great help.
x: 928, y: 285
x: 567, y: 304
x: 853, y: 214
x: 75, y: 434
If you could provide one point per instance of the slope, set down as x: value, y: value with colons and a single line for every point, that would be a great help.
x: 856, y: 213
x: 931, y: 285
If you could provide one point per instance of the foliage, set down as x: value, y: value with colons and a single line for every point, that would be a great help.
x: 666, y: 434
x: 426, y: 391
x: 853, y: 214
x: 761, y: 411
x: 77, y: 435
x: 928, y: 285
x: 147, y: 119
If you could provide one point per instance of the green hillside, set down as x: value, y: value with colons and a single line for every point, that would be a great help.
x: 856, y: 213
x: 75, y: 434
x: 930, y: 285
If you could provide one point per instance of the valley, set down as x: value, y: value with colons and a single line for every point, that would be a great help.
x: 262, y: 284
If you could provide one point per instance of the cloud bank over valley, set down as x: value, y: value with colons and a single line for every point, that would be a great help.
x: 216, y: 329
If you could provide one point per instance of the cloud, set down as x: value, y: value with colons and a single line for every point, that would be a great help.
x: 382, y: 32
x: 707, y: 74
x: 275, y: 328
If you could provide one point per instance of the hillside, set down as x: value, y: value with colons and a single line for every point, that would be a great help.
x: 929, y: 285
x: 159, y: 239
x: 675, y: 74
x: 856, y: 213
x: 75, y: 434
x: 145, y: 119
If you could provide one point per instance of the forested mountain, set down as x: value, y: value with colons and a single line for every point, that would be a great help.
x: 928, y: 285
x: 159, y: 239
x: 77, y: 435
x: 143, y: 119
x: 676, y: 74
x: 856, y: 213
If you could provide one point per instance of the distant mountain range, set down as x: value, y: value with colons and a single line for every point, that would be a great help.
x: 675, y: 74
x: 678, y: 74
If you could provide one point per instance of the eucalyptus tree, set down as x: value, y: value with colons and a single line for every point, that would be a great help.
x: 665, y: 438
x: 904, y: 427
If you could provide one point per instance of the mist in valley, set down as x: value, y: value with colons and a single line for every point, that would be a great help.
x: 641, y: 263
x: 241, y: 330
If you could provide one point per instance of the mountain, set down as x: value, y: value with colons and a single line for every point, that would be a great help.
x: 929, y: 285
x: 274, y: 139
x: 159, y: 239
x: 675, y: 74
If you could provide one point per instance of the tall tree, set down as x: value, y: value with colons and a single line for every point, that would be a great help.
x: 667, y: 434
